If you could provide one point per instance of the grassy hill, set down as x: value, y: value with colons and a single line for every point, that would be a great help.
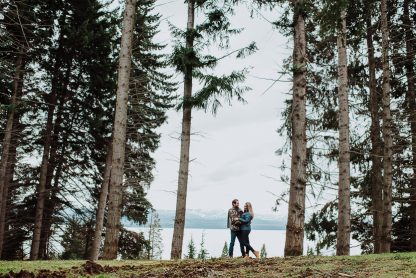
x: 388, y: 265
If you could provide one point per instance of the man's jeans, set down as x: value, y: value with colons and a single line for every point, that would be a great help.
x: 235, y: 234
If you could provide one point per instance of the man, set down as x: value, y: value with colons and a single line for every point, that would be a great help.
x: 233, y: 223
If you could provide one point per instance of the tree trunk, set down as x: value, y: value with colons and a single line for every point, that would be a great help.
x: 55, y: 163
x: 48, y: 160
x: 12, y: 119
x: 376, y: 144
x: 89, y: 233
x: 411, y: 95
x: 47, y: 143
x: 151, y: 238
x: 50, y: 204
x: 119, y: 134
x: 296, y: 210
x: 9, y: 180
x: 387, y: 134
x: 99, y: 222
x: 41, y: 194
x: 344, y: 210
x: 179, y: 225
x: 50, y: 191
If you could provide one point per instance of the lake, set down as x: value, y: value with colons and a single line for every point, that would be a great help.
x: 215, y: 238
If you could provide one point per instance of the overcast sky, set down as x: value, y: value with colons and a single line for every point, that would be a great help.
x: 232, y: 153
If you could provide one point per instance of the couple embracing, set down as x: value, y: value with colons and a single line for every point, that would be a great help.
x: 239, y: 222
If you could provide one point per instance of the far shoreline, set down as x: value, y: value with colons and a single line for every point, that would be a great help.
x: 209, y: 228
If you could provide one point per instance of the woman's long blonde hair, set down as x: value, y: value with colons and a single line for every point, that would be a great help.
x: 250, y: 209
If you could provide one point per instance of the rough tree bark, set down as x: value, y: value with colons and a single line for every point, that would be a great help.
x: 48, y: 160
x: 387, y: 134
x: 296, y: 210
x: 376, y: 144
x: 49, y: 195
x: 6, y: 158
x: 50, y: 204
x: 411, y: 100
x: 55, y: 160
x: 119, y: 134
x: 344, y: 210
x: 179, y: 225
x: 47, y: 143
x: 99, y: 220
x: 7, y: 183
x: 41, y: 191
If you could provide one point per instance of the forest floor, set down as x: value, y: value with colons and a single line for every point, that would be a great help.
x: 386, y: 265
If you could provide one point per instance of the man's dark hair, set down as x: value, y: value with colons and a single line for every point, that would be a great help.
x: 235, y: 201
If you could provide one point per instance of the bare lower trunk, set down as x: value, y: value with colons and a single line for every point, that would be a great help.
x: 41, y: 235
x: 179, y: 226
x: 296, y: 210
x: 50, y: 205
x: 47, y: 144
x: 119, y: 135
x: 151, y: 239
x: 41, y: 194
x: 99, y: 222
x: 46, y: 225
x: 50, y: 190
x: 89, y: 234
x: 7, y: 183
x: 8, y: 135
x: 387, y: 134
x: 344, y: 210
x: 411, y: 95
x: 376, y: 149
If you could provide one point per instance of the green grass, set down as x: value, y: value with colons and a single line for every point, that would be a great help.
x: 386, y: 265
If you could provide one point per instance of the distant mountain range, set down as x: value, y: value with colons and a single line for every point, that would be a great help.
x: 199, y: 219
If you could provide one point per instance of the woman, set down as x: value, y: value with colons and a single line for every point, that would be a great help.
x: 245, y: 229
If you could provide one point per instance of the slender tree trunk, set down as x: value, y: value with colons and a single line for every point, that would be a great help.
x: 99, y: 222
x: 90, y: 234
x: 152, y: 247
x: 296, y: 210
x: 179, y: 226
x: 50, y: 193
x: 376, y: 144
x: 41, y: 194
x: 47, y: 166
x: 55, y: 166
x: 387, y: 134
x: 7, y: 183
x: 47, y: 143
x: 46, y: 223
x: 151, y: 238
x: 6, y: 205
x: 344, y: 210
x: 46, y: 172
x: 8, y: 135
x: 50, y: 205
x: 411, y: 99
x: 119, y: 134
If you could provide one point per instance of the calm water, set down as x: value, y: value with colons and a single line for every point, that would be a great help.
x: 215, y: 238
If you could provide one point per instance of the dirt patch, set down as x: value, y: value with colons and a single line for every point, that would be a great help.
x: 93, y: 268
x: 88, y: 268
x: 21, y: 274
x: 43, y: 273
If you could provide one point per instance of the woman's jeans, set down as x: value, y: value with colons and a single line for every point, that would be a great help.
x: 235, y: 234
x: 244, y: 239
